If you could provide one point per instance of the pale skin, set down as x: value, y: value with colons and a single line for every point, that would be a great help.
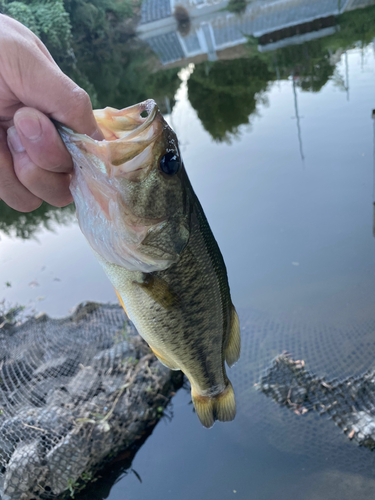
x: 34, y: 163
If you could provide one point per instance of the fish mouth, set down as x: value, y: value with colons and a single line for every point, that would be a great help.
x: 127, y: 123
x: 130, y: 138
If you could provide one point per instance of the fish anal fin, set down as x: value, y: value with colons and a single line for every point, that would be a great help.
x: 221, y: 407
x: 121, y: 302
x: 233, y: 347
x: 164, y: 360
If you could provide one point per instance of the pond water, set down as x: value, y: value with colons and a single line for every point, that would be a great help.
x: 278, y: 141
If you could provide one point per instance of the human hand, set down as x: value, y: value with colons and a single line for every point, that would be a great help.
x: 34, y: 163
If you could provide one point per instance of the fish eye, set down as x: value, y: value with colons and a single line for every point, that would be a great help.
x: 170, y: 163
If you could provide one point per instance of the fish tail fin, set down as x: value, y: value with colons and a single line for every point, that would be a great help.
x: 220, y: 407
x: 233, y: 348
x: 204, y: 406
x: 225, y: 404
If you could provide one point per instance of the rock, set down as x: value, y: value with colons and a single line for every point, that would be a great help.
x: 75, y: 392
x: 85, y: 382
x: 22, y: 470
x: 55, y: 367
x: 66, y: 462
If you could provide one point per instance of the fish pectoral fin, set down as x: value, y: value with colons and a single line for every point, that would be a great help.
x: 166, y: 240
x: 164, y: 360
x: 122, y: 303
x: 233, y: 348
x: 221, y: 407
x: 159, y: 290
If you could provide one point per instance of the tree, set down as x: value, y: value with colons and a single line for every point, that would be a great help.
x: 48, y: 20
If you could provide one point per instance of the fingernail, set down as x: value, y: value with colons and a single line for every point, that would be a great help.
x: 29, y: 126
x: 14, y: 141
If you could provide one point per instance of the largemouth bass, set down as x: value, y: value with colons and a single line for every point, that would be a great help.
x: 138, y: 211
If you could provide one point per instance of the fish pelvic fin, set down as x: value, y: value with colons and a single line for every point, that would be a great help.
x: 121, y: 302
x: 221, y: 407
x: 165, y: 360
x: 233, y: 348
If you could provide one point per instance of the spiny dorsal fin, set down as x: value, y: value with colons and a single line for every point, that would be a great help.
x: 233, y: 348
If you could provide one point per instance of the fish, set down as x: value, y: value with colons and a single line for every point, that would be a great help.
x: 139, y: 213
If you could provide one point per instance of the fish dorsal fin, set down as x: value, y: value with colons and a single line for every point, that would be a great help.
x: 159, y: 290
x: 233, y: 348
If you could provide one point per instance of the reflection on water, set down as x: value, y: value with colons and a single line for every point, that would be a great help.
x: 290, y: 203
x: 225, y: 94
x: 348, y: 402
x: 25, y: 225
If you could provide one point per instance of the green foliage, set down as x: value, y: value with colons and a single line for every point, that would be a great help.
x: 47, y: 19
x: 310, y: 62
x: 355, y: 26
x: 120, y: 85
x: 26, y: 225
x: 10, y: 315
x: 23, y: 13
x: 54, y: 25
x: 236, y: 6
x: 226, y: 93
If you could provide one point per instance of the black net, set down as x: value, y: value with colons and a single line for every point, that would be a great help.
x: 73, y: 393
x: 330, y: 373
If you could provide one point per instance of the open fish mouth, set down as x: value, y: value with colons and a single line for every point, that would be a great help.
x: 134, y: 120
x: 129, y: 137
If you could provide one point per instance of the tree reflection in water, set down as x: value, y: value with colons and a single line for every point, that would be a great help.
x: 226, y: 93
x: 26, y: 225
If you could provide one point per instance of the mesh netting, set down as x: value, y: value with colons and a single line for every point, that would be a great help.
x: 336, y: 351
x: 76, y: 391
x: 350, y: 403
x: 73, y: 392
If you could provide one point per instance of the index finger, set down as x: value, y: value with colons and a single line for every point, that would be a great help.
x: 57, y: 96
